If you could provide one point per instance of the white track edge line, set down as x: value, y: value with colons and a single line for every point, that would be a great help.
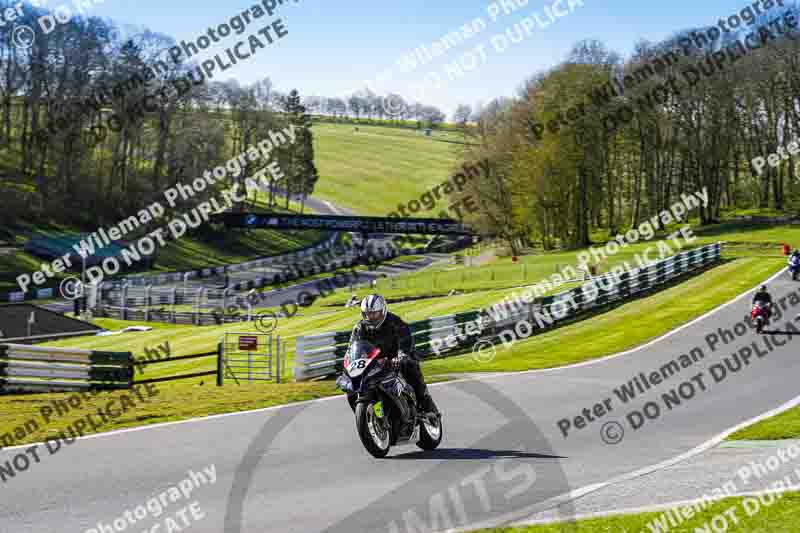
x: 664, y: 506
x: 583, y: 491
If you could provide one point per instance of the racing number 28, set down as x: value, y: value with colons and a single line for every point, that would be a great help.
x: 359, y: 364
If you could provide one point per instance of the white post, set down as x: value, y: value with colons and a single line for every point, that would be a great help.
x: 250, y: 304
x: 278, y: 358
x: 185, y: 280
x: 147, y: 291
x: 197, y: 306
x: 83, y: 282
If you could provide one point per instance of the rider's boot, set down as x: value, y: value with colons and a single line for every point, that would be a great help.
x: 426, y: 404
x: 413, y: 375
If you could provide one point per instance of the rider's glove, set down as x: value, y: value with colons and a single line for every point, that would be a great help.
x: 398, y: 360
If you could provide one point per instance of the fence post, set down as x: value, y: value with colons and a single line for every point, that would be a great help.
x: 101, y: 295
x: 185, y: 299
x: 124, y: 303
x: 93, y: 296
x: 225, y: 295
x: 130, y: 370
x: 147, y: 302
x: 278, y: 358
x: 220, y: 364
x: 299, y: 362
x: 249, y: 299
x: 197, y: 306
x: 174, y: 299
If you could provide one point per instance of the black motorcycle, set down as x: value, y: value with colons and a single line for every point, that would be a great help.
x: 384, y: 403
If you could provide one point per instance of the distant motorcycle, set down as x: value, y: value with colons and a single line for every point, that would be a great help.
x: 794, y: 266
x: 384, y: 404
x: 760, y: 316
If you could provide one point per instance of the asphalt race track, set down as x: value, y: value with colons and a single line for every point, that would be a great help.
x: 302, y: 468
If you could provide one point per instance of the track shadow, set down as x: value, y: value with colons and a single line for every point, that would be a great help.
x: 473, y: 453
x: 778, y: 332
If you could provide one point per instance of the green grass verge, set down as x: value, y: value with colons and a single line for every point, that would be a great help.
x: 611, y: 332
x: 775, y: 517
x: 180, y: 400
x: 783, y: 426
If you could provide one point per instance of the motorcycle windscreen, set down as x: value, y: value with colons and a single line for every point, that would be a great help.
x: 360, y: 354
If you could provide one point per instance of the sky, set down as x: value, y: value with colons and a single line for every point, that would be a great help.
x: 337, y: 47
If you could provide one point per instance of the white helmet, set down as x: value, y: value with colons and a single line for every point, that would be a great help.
x: 373, y: 311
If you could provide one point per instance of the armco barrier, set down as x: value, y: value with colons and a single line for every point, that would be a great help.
x: 604, y: 290
x: 153, y: 304
x: 41, y: 369
x: 263, y: 262
x: 130, y: 295
x: 322, y: 355
x: 176, y: 277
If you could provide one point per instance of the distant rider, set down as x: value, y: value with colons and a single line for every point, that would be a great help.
x: 388, y: 332
x: 794, y: 259
x: 764, y: 297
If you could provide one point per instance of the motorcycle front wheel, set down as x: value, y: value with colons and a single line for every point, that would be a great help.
x: 430, y: 433
x: 374, y: 434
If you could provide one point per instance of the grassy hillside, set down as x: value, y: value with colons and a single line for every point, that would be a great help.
x: 376, y: 168
x: 354, y: 170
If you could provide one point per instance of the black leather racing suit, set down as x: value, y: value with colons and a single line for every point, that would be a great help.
x: 392, y: 336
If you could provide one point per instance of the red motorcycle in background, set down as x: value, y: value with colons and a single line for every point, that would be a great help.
x: 760, y: 315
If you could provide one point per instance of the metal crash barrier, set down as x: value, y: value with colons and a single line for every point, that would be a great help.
x: 321, y: 355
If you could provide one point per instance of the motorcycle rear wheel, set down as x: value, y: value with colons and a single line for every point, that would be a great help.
x: 374, y: 435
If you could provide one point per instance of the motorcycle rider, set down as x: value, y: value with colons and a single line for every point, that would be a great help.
x: 764, y: 297
x: 388, y: 332
x: 794, y: 259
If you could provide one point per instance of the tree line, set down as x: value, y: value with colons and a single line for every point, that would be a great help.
x: 59, y: 170
x: 599, y: 143
x: 367, y: 104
